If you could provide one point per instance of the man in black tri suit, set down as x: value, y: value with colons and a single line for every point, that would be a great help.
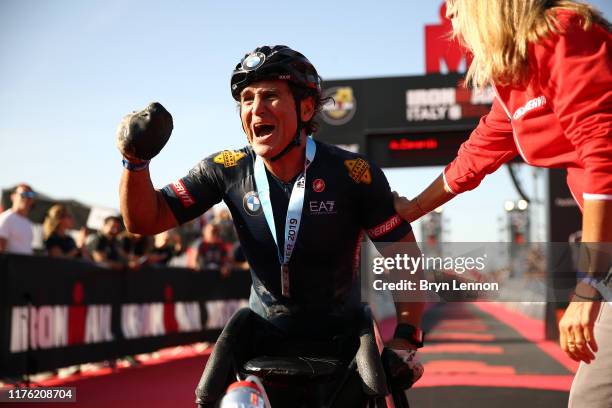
x: 300, y: 207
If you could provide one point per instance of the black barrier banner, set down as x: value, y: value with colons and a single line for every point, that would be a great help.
x: 55, y: 312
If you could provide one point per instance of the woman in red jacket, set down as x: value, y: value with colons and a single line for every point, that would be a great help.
x: 550, y: 63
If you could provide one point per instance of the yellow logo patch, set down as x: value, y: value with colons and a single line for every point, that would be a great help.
x: 359, y: 170
x: 228, y: 158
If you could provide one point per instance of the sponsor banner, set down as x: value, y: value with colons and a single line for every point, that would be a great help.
x: 397, y: 102
x: 341, y: 105
x: 447, y: 104
x: 55, y: 313
x: 443, y: 51
x: 422, y: 119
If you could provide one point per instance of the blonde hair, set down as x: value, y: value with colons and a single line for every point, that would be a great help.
x: 53, y: 219
x: 498, y: 33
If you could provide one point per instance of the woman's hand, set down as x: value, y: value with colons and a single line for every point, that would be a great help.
x: 576, y: 330
x: 407, y: 209
x: 428, y: 200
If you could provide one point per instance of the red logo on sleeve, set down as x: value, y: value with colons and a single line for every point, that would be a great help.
x: 182, y: 194
x: 385, y: 227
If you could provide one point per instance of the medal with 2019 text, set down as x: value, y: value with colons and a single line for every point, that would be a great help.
x: 294, y: 211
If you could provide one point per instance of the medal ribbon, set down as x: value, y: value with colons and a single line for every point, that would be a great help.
x: 294, y: 210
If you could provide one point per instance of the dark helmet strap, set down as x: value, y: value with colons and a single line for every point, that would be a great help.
x: 298, y: 132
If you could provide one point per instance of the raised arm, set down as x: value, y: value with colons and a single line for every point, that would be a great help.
x: 144, y: 209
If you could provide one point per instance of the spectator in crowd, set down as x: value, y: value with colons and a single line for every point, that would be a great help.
x: 211, y: 251
x: 105, y: 247
x: 223, y: 219
x: 167, y: 245
x: 15, y: 228
x: 57, y: 240
x: 208, y: 217
x: 137, y: 248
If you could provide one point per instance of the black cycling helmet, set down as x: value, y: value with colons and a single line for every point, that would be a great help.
x: 277, y: 62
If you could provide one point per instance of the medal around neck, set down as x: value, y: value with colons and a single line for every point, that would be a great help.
x: 294, y: 211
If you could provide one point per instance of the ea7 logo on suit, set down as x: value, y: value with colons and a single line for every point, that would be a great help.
x: 322, y: 207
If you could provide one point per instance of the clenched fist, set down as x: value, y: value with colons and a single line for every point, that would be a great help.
x: 141, y: 135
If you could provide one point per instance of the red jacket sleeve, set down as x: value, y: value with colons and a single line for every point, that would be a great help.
x: 490, y: 145
x: 576, y: 71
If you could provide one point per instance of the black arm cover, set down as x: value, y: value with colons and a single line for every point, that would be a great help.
x: 400, y: 375
x: 143, y: 134
x: 219, y: 369
x: 369, y: 365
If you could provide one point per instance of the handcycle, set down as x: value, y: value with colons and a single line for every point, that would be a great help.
x: 353, y: 370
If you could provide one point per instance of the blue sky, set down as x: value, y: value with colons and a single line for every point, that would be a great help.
x: 71, y: 69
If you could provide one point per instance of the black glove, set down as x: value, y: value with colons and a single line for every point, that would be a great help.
x: 142, y: 135
x: 402, y: 367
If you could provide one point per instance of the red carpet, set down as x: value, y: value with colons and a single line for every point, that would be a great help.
x: 168, y: 382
